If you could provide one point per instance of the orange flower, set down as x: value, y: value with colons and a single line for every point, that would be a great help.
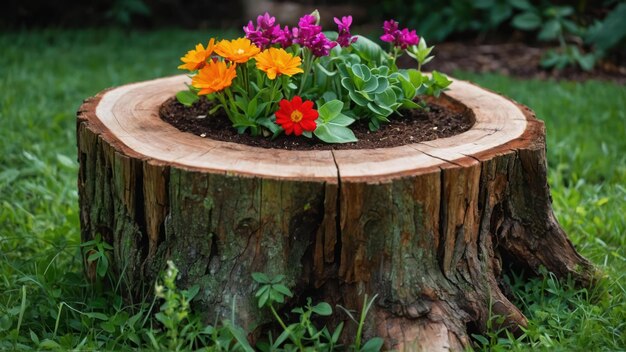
x: 196, y: 59
x: 238, y: 50
x: 214, y: 77
x: 278, y: 62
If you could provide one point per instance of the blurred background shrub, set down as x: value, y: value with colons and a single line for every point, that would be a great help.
x: 580, y: 31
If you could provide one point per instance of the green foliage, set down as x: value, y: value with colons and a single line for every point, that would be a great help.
x: 303, y: 335
x: 564, y: 23
x: 332, y: 124
x: 187, y: 97
x: 610, y: 32
x: 554, y: 23
x: 96, y: 251
x: 379, y: 91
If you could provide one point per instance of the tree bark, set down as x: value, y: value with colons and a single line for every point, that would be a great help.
x: 428, y: 227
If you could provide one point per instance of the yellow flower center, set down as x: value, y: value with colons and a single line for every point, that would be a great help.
x: 240, y: 51
x: 296, y: 116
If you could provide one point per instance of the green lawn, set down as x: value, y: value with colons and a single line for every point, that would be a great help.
x: 45, y: 303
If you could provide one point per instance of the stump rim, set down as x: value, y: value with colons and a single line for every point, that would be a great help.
x: 127, y: 118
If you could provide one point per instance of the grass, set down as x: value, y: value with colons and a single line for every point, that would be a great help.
x: 46, y: 303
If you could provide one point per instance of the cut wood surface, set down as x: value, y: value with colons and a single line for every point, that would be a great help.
x: 429, y: 227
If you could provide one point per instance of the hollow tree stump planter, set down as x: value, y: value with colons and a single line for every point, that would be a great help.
x: 428, y: 226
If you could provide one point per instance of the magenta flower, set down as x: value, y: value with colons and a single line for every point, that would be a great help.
x: 284, y: 37
x: 399, y: 38
x: 265, y: 33
x: 306, y: 31
x: 266, y: 22
x: 345, y: 38
x: 320, y: 45
x: 390, y: 28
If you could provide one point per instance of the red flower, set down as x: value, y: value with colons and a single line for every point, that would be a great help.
x: 296, y: 116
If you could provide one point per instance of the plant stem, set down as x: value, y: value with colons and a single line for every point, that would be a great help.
x: 308, y: 60
x: 282, y: 324
x: 268, y: 109
x: 222, y: 99
x: 359, y: 330
x: 246, y: 81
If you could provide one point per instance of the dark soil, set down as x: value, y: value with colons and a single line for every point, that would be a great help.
x: 436, y: 121
x: 513, y: 59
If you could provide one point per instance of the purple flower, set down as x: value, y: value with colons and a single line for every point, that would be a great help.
x: 399, y: 38
x: 320, y: 45
x: 344, y: 24
x: 408, y: 38
x: 266, y: 32
x: 309, y: 35
x: 345, y: 38
x: 307, y: 30
x: 255, y: 35
x: 283, y: 37
x: 266, y: 22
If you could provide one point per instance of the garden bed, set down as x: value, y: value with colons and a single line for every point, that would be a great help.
x: 438, y: 120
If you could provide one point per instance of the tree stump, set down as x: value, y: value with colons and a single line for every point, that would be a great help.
x: 428, y: 227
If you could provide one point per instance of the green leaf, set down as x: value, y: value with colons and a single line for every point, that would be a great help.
x: 480, y: 338
x: 283, y: 290
x: 359, y: 99
x: 323, y: 70
x: 328, y: 96
x: 380, y: 110
x: 526, y: 21
x: 264, y: 298
x: 383, y: 84
x: 322, y: 309
x: 252, y: 108
x: 371, y: 85
x: 277, y: 279
x: 261, y: 278
x: 96, y: 315
x: 348, y: 84
x: 269, y: 124
x: 330, y: 110
x: 342, y: 120
x: 49, y: 345
x: 550, y: 30
x: 373, y: 345
x: 563, y: 11
x: 330, y: 133
x: 186, y: 97
x: 521, y: 4
x: 34, y: 337
x: 337, y: 333
x: 368, y: 50
x: 66, y: 161
x: 416, y: 77
x: 192, y: 292
x: 386, y: 98
x: 441, y: 79
x: 240, y: 336
x: 103, y: 266
x: 610, y: 31
x: 262, y: 290
x: 408, y: 89
x: 409, y: 104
